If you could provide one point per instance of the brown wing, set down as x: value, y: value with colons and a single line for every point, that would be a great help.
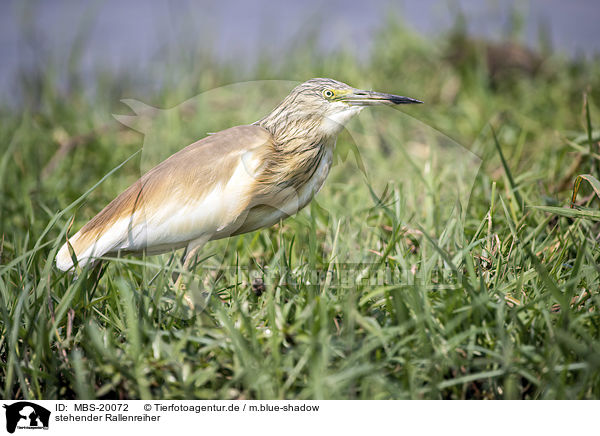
x: 188, y: 174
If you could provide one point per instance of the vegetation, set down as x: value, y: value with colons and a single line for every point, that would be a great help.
x: 442, y: 258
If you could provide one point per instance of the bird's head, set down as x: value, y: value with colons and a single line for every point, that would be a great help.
x: 324, y: 106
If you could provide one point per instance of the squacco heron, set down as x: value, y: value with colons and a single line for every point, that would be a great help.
x: 235, y: 181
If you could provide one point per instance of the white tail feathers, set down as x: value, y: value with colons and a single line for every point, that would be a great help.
x: 63, y: 258
x: 84, y: 255
x: 64, y: 262
x: 85, y: 250
x: 116, y: 237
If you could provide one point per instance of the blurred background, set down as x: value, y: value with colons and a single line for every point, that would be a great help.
x: 140, y: 37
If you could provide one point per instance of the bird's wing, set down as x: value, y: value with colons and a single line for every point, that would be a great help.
x: 197, y: 191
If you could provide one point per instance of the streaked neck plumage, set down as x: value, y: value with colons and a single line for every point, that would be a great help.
x: 288, y: 124
x: 302, y: 140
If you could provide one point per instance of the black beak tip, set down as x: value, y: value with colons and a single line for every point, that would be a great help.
x: 405, y: 100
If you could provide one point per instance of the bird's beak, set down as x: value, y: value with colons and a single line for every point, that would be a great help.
x: 372, y: 98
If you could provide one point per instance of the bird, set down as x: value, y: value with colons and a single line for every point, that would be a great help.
x: 231, y: 182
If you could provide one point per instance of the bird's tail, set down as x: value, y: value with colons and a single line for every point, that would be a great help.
x: 85, y: 249
x: 64, y: 262
x: 92, y: 242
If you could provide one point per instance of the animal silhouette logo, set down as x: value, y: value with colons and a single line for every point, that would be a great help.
x: 26, y: 415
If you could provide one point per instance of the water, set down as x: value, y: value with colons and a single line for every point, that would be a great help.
x: 118, y: 35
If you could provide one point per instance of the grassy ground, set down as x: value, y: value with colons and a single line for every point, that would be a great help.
x: 424, y: 269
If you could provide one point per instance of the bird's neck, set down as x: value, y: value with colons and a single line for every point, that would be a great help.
x: 298, y: 149
x: 291, y: 131
x: 301, y: 141
x: 291, y: 126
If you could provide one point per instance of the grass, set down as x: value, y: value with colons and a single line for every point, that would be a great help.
x: 440, y: 260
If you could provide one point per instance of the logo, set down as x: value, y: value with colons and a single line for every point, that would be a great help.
x: 26, y: 415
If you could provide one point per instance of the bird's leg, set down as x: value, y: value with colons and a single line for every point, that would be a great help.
x: 176, y: 275
x: 179, y: 285
x: 189, y: 257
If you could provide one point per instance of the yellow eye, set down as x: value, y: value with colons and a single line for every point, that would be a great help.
x: 328, y: 93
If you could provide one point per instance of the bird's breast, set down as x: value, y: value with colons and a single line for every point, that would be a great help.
x: 315, y: 183
x: 287, y: 201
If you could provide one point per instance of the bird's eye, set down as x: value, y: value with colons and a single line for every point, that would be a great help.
x: 328, y: 93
